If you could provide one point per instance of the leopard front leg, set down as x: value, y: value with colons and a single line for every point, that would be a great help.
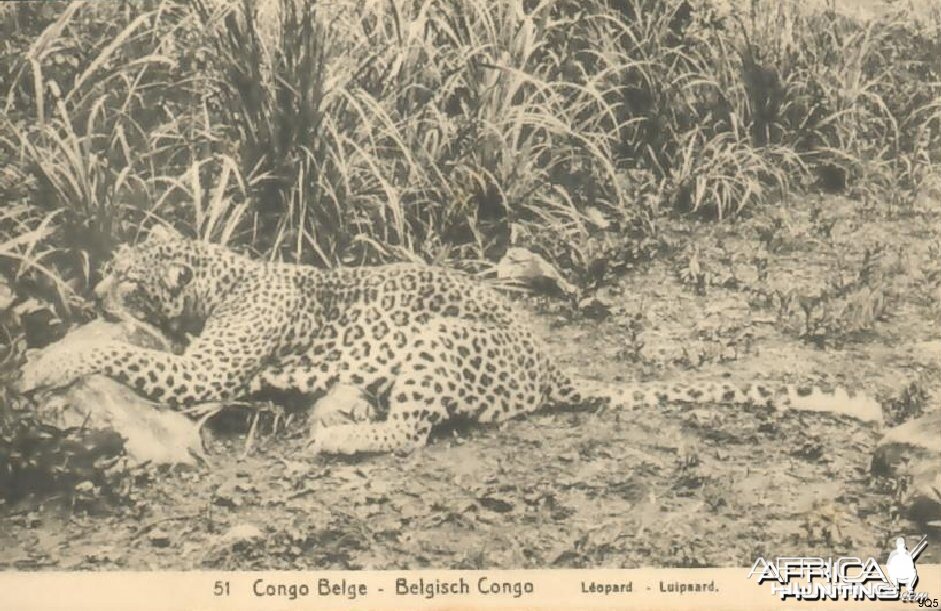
x: 297, y: 374
x: 217, y: 366
x: 55, y: 368
x: 160, y: 376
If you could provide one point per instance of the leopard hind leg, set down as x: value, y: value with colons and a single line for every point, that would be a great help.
x: 440, y: 372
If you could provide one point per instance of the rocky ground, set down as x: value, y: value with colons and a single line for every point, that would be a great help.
x: 789, y: 296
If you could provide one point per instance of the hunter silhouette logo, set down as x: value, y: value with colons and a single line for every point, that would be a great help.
x: 900, y: 567
x: 844, y: 577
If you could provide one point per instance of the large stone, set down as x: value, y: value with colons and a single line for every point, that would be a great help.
x: 151, y: 433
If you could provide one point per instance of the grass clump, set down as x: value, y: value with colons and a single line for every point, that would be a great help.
x: 344, y: 133
x: 417, y: 129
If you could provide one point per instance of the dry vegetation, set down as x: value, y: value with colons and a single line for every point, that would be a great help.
x: 594, y: 132
x: 349, y: 131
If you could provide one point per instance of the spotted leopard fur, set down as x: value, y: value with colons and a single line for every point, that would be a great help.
x: 433, y: 343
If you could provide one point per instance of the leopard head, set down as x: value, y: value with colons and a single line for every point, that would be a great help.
x: 155, y: 280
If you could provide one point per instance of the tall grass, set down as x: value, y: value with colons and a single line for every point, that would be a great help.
x: 858, y: 98
x: 446, y: 131
x: 413, y: 129
x: 737, y: 105
x: 77, y: 123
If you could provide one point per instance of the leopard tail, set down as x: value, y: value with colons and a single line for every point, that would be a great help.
x: 563, y: 390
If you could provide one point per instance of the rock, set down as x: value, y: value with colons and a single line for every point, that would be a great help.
x: 240, y: 533
x: 528, y: 268
x: 40, y: 323
x: 913, y: 450
x: 923, y: 432
x: 105, y: 553
x: 596, y: 307
x: 226, y: 495
x: 85, y: 487
x: 151, y: 433
x: 597, y: 218
x: 495, y: 504
x: 6, y: 295
x: 30, y: 520
x: 224, y: 499
x: 159, y: 538
x: 238, y: 537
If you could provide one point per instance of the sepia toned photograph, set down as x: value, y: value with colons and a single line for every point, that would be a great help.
x: 362, y: 285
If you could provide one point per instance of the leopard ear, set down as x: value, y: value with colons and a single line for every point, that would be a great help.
x: 162, y: 233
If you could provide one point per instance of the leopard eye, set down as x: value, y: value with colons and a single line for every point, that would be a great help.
x: 184, y: 275
x: 175, y: 278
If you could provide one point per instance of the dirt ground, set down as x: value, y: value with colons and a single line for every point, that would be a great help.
x: 673, y: 486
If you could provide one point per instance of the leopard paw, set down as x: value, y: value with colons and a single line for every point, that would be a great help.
x: 49, y: 369
x: 342, y: 405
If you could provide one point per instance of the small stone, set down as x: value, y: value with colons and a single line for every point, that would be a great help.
x: 597, y: 218
x: 595, y: 307
x: 241, y: 533
x: 226, y: 499
x: 159, y: 538
x: 496, y: 504
x: 521, y: 265
x: 923, y: 432
x: 6, y: 295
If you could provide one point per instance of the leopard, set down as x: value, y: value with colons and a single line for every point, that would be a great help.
x: 433, y: 344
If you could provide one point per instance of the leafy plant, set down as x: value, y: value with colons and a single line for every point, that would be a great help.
x: 81, y: 138
x: 416, y: 129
